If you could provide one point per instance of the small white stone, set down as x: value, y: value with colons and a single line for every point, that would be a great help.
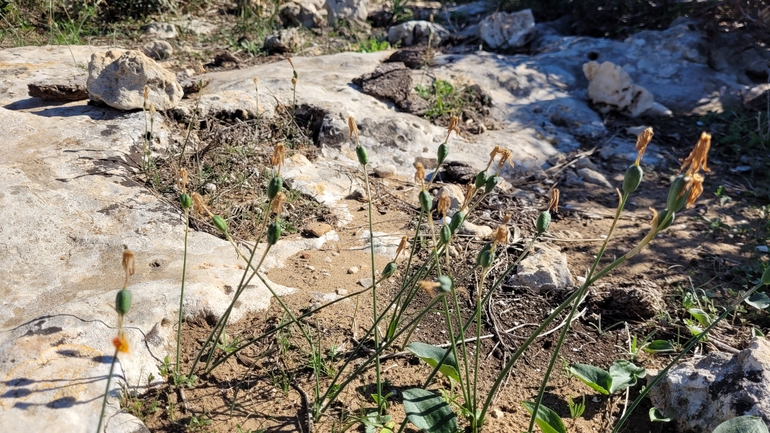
x: 353, y: 270
x: 497, y: 413
x: 210, y: 188
x: 309, y: 268
x: 328, y: 259
x: 342, y: 292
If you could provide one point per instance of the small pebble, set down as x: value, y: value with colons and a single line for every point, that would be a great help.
x: 342, y: 292
x: 497, y: 413
x: 328, y: 259
x: 210, y: 188
x: 335, y: 253
x: 309, y: 268
x: 353, y: 270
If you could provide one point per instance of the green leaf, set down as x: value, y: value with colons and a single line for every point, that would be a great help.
x: 657, y: 346
x: 742, y: 424
x: 428, y: 411
x: 695, y: 329
x: 701, y: 316
x: 598, y: 379
x: 759, y: 300
x: 548, y: 420
x: 432, y: 355
x: 624, y: 374
x: 657, y: 416
x: 756, y: 333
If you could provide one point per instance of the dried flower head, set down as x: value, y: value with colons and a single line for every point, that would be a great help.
x: 146, y: 92
x: 199, y: 205
x: 276, y: 205
x: 152, y: 110
x: 279, y: 155
x: 128, y: 263
x: 695, y: 187
x: 256, y: 81
x: 443, y: 204
x: 293, y: 81
x: 553, y: 204
x: 120, y: 342
x: 469, y: 192
x: 642, y: 141
x: 401, y: 246
x: 699, y: 156
x: 419, y: 173
x: 290, y: 62
x: 184, y: 177
x: 493, y: 154
x: 505, y: 156
x: 506, y: 218
x: 500, y: 236
x: 353, y: 128
x: 429, y: 287
x: 454, y: 123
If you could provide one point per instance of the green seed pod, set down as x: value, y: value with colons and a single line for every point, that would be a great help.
x: 543, y: 221
x: 677, y: 196
x: 485, y: 258
x: 766, y: 277
x: 389, y: 270
x: 457, y: 221
x: 481, y: 179
x: 632, y: 179
x: 445, y: 234
x: 123, y: 302
x: 274, y: 187
x: 445, y: 284
x: 185, y: 200
x: 426, y: 201
x: 219, y: 223
x: 662, y: 218
x: 443, y: 152
x: 363, y: 155
x: 491, y: 183
x: 273, y: 233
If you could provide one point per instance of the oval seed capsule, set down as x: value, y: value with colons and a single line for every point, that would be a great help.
x: 543, y: 221
x: 481, y: 179
x: 185, y: 200
x: 123, y: 301
x: 677, y: 196
x: 662, y: 224
x: 491, y: 183
x: 632, y: 179
x: 274, y: 187
x: 445, y: 284
x: 456, y: 221
x: 219, y: 223
x: 273, y: 233
x: 485, y: 258
x: 389, y: 270
x: 426, y: 201
x: 363, y: 155
x: 443, y: 152
x: 445, y: 234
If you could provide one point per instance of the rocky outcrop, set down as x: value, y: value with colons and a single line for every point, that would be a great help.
x: 506, y: 31
x: 611, y: 88
x: 417, y: 32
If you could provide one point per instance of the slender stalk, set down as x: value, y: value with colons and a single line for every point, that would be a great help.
x: 377, y: 366
x: 479, y: 289
x: 181, y: 292
x: 107, y: 391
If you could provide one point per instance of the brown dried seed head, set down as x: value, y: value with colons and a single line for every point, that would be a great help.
x: 429, y: 287
x: 401, y: 246
x: 199, y: 205
x: 500, y: 236
x: 256, y: 81
x: 506, y: 218
x: 642, y: 140
x: 279, y: 154
x: 290, y: 62
x: 553, y: 205
x: 277, y: 205
x: 183, y: 178
x: 468, y: 195
x: 505, y: 156
x: 128, y: 262
x: 152, y: 109
x: 353, y: 128
x: 120, y: 342
x: 293, y: 81
x: 146, y: 92
x: 699, y: 156
x: 695, y: 186
x: 419, y: 174
x: 454, y: 123
x: 443, y: 204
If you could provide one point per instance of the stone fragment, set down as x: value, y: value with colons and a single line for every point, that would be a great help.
x: 640, y: 301
x: 341, y: 292
x: 70, y: 91
x: 294, y: 14
x: 611, y: 88
x: 195, y: 26
x: 417, y: 32
x: 479, y: 231
x: 392, y: 81
x: 318, y: 229
x: 505, y: 31
x: 160, y: 30
x: 158, y: 50
x: 385, y: 171
x: 572, y: 179
x: 286, y: 41
x: 543, y: 271
x: 414, y: 58
x: 594, y: 177
x: 703, y: 394
x: 118, y: 78
x: 496, y: 413
x: 456, y: 197
x: 351, y: 10
x: 353, y: 270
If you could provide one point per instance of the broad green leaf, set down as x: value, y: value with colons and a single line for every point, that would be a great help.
x: 756, y: 333
x: 742, y: 424
x: 624, y: 374
x: 701, y: 316
x: 432, y: 355
x: 657, y: 416
x: 759, y: 300
x: 598, y: 379
x: 429, y: 412
x: 695, y: 329
x: 656, y: 346
x: 548, y: 420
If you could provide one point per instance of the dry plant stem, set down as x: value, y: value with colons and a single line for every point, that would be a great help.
x: 181, y: 292
x: 692, y: 343
x: 107, y: 391
x: 189, y: 129
x: 574, y: 308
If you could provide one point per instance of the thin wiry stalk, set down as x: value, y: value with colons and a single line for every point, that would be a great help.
x: 181, y: 293
x: 107, y: 391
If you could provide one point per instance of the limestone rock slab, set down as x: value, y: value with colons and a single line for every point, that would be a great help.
x: 542, y: 271
x: 503, y: 30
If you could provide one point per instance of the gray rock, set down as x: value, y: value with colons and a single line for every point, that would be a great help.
x: 417, y: 32
x: 586, y: 163
x: 118, y: 78
x: 158, y: 50
x: 572, y: 179
x: 353, y: 270
x: 479, y: 231
x: 161, y: 30
x: 285, y: 41
x: 456, y: 197
x: 210, y: 188
x: 703, y: 394
x: 385, y: 171
x: 294, y: 14
x: 594, y: 177
x: 392, y: 81
x: 195, y: 26
x: 504, y: 31
x: 543, y: 271
x: 71, y: 90
x: 611, y: 88
x: 352, y: 10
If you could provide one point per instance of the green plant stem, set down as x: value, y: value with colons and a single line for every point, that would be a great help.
x: 477, y: 351
x: 692, y: 343
x: 189, y: 128
x: 377, y: 366
x: 107, y: 391
x: 181, y: 292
